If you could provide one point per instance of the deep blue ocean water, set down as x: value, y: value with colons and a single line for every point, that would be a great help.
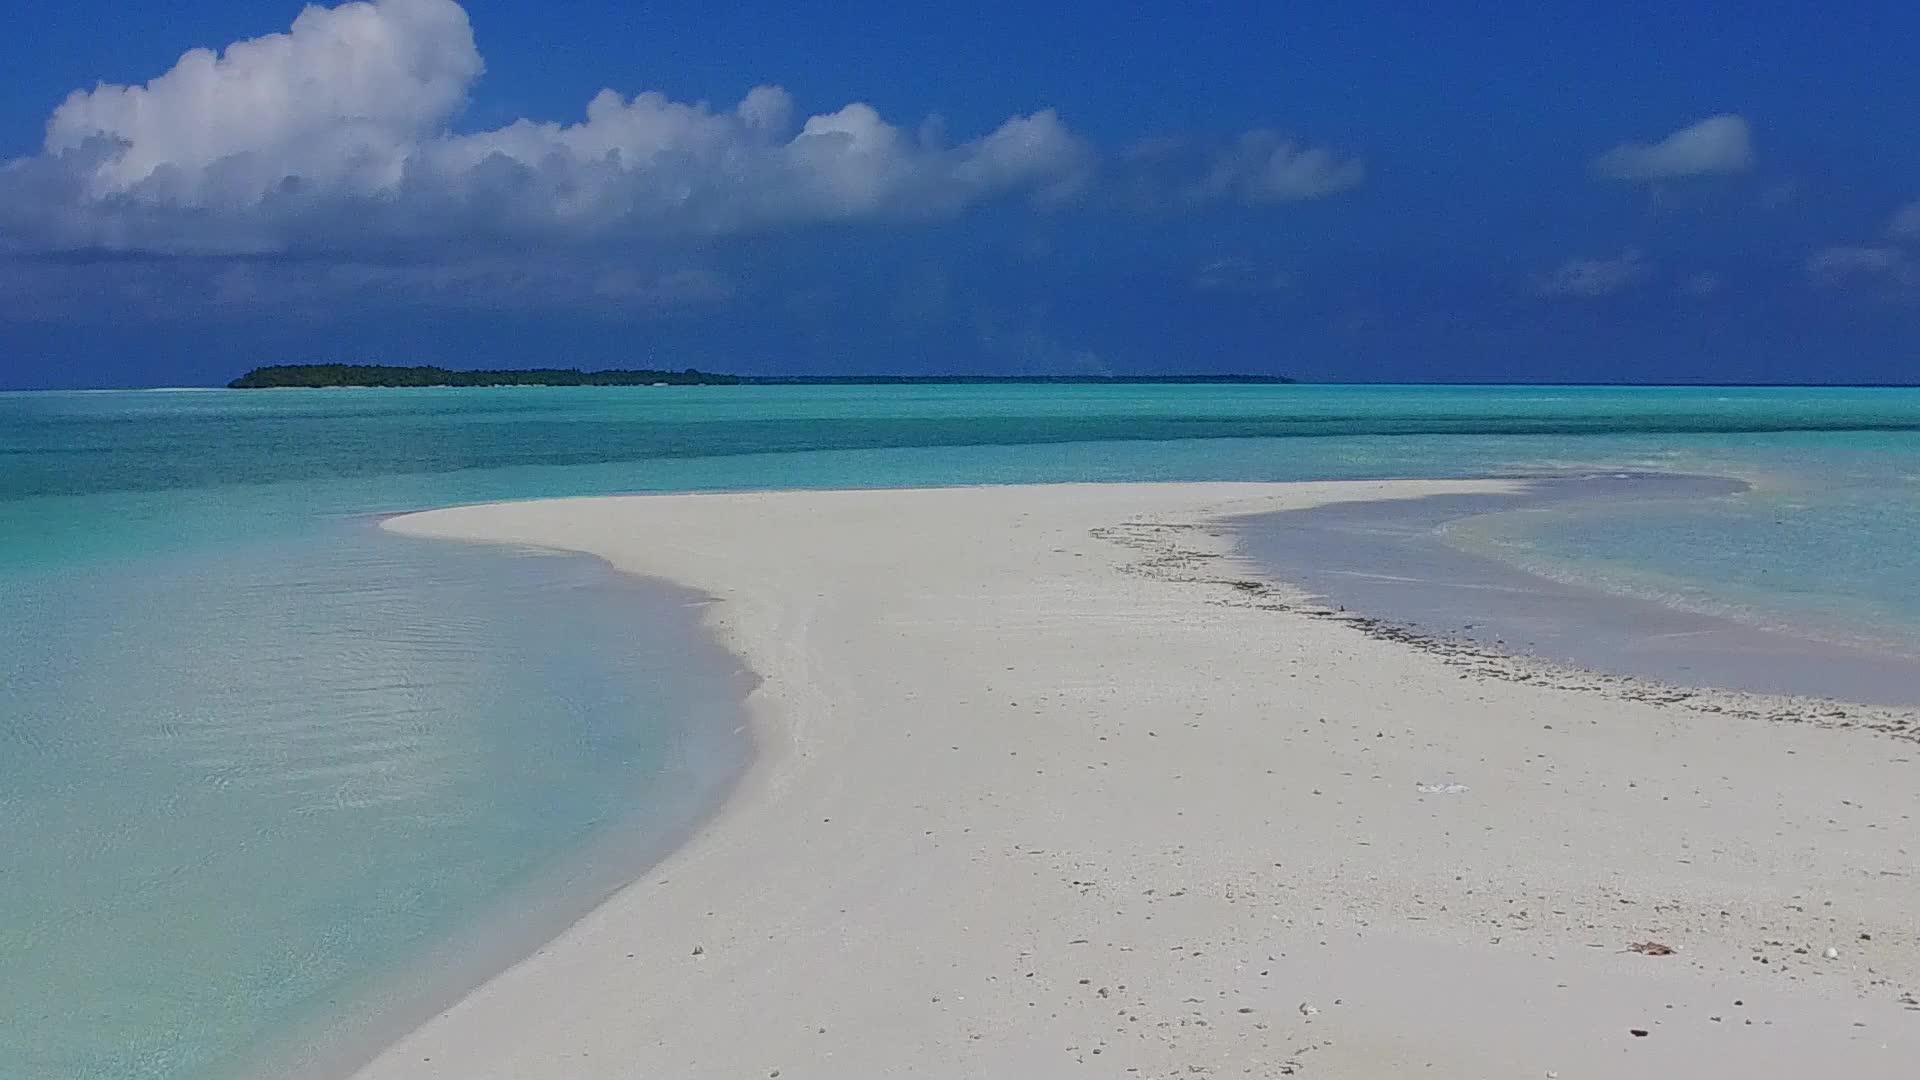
x: 255, y: 755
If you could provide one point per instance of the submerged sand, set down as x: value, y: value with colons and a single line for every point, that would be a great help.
x: 1044, y: 789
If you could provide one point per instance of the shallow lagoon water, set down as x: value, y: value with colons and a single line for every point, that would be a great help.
x: 231, y: 785
x: 256, y: 756
x: 1395, y: 560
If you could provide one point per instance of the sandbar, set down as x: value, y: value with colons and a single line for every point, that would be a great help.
x: 1045, y: 786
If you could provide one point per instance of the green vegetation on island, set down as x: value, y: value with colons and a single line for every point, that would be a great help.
x: 376, y: 375
x: 322, y: 375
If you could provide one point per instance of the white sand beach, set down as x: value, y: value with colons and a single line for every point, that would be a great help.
x: 1041, y: 793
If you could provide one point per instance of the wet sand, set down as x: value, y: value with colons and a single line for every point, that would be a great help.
x: 1390, y: 561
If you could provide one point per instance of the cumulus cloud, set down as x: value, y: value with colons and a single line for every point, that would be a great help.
x: 1883, y: 265
x: 1259, y: 167
x: 1262, y: 167
x: 338, y: 133
x: 1593, y: 277
x: 1874, y: 268
x: 1718, y: 144
x: 340, y: 102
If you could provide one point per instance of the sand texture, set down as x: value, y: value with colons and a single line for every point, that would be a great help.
x: 1047, y: 788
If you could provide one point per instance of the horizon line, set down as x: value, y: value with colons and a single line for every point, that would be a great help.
x: 1185, y: 378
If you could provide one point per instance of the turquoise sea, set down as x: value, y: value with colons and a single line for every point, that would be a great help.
x: 258, y: 759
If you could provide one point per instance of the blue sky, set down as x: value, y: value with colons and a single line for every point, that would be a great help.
x: 1576, y: 192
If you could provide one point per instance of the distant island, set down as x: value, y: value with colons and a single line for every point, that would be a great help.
x: 323, y: 375
x: 375, y: 375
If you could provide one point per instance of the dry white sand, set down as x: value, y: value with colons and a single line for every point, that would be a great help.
x: 1032, y: 802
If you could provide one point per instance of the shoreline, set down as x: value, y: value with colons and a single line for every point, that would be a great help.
x: 1393, y: 564
x: 560, y: 1011
x: 705, y: 767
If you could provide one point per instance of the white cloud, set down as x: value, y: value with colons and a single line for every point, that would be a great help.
x: 1847, y: 265
x: 1259, y: 167
x: 338, y: 133
x: 1238, y: 275
x: 1906, y: 220
x: 1718, y: 144
x: 340, y: 101
x: 1262, y: 167
x: 1593, y: 277
x: 1873, y: 267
